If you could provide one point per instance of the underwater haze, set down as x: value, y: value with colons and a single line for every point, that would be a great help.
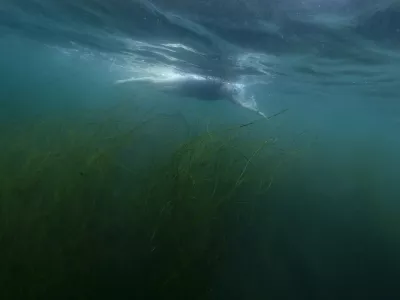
x: 115, y: 185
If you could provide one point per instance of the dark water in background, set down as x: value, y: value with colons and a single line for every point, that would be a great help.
x: 335, y: 65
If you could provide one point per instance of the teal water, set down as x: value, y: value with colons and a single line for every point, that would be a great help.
x: 327, y: 226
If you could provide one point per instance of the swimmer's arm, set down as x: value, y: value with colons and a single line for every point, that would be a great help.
x: 249, y: 106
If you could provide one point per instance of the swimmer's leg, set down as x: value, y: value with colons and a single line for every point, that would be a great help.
x: 142, y: 80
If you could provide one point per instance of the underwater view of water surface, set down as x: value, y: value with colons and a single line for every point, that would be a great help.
x: 219, y: 149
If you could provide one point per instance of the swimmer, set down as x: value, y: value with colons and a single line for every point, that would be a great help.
x: 203, y: 88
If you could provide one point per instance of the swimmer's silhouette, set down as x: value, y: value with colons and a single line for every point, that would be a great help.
x: 203, y: 88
